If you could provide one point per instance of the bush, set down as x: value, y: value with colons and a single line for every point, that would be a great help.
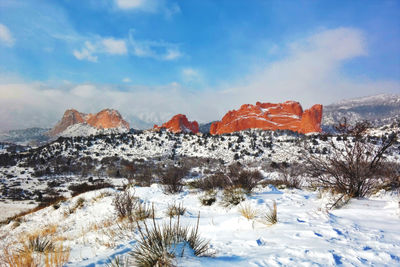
x: 216, y: 181
x: 125, y: 205
x: 353, y: 167
x: 233, y: 196
x: 160, y: 245
x: 171, y: 179
x: 77, y: 189
x: 208, y: 198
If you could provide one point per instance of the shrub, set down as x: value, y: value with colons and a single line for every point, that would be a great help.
x: 171, y: 179
x: 233, y: 196
x: 247, y: 211
x: 353, y: 167
x: 174, y: 210
x: 145, y: 177
x: 248, y: 180
x: 125, y: 204
x: 208, y: 198
x: 77, y: 189
x: 160, y: 245
x: 216, y: 181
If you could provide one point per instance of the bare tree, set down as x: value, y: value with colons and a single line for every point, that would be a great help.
x: 353, y: 166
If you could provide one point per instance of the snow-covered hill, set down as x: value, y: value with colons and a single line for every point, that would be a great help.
x: 84, y: 129
x: 379, y: 109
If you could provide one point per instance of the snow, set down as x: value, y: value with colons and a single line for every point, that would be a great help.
x: 84, y: 129
x: 365, y: 232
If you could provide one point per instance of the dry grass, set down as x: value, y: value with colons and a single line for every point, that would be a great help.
x: 247, y: 211
x: 27, y: 257
x: 57, y: 258
x: 174, y: 210
x: 23, y: 258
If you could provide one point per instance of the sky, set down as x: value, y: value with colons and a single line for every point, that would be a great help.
x: 152, y: 59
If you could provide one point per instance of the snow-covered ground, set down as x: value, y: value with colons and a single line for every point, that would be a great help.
x: 366, y: 232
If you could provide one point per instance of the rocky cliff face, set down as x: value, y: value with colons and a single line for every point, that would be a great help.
x: 268, y: 116
x: 179, y: 123
x: 105, y: 119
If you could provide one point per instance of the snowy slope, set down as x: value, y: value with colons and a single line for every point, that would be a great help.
x: 365, y: 232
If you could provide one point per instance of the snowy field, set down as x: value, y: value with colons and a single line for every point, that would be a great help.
x: 366, y: 232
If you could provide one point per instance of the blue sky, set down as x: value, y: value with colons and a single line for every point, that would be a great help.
x: 151, y: 59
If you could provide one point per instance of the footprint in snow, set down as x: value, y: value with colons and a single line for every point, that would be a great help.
x: 261, y: 242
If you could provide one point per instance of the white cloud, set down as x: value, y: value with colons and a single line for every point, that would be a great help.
x: 310, y: 73
x: 126, y: 80
x: 5, y: 36
x: 101, y: 46
x: 159, y: 50
x: 86, y: 53
x: 151, y: 6
x: 114, y: 47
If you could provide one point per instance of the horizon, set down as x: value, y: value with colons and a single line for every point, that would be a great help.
x: 153, y: 59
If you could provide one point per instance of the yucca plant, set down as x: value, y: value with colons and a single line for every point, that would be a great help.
x: 118, y: 261
x: 271, y: 217
x: 142, y: 211
x: 40, y: 244
x: 160, y: 245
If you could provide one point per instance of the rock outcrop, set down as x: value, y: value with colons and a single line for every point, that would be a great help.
x: 268, y: 116
x: 179, y: 123
x: 105, y: 119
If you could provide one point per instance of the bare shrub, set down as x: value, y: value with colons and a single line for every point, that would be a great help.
x: 125, y: 204
x: 77, y: 189
x: 216, y: 181
x: 235, y: 175
x: 354, y: 166
x: 172, y: 179
x: 291, y: 175
x: 233, y: 196
x: 144, y: 177
x: 159, y: 245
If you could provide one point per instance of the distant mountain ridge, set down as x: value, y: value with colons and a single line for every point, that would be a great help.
x: 378, y: 109
x: 25, y: 136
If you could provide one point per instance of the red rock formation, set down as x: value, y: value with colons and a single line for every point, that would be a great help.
x: 179, y: 123
x: 71, y: 117
x: 269, y: 116
x: 107, y: 118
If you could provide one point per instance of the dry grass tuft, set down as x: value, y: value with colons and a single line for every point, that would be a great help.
x: 247, y: 211
x: 175, y: 210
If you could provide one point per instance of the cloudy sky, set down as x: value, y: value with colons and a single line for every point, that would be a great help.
x: 151, y: 59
